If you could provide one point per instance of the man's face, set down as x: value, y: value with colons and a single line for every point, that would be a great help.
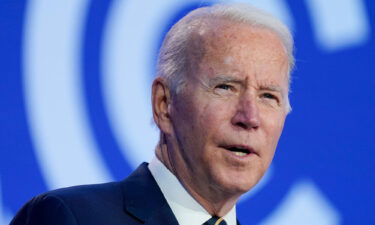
x: 228, y: 118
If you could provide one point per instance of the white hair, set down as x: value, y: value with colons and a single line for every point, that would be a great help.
x: 174, y: 62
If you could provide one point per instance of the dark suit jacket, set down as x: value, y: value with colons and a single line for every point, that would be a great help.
x: 135, y: 200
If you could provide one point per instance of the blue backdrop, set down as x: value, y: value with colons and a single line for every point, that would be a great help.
x: 75, y: 93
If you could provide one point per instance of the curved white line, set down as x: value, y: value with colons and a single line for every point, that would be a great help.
x: 129, y: 44
x: 63, y: 143
x: 339, y: 23
x: 304, y: 204
x: 278, y: 8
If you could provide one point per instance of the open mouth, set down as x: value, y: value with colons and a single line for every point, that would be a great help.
x: 239, y: 150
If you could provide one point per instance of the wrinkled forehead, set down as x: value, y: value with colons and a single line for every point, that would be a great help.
x: 220, y: 37
x: 219, y: 42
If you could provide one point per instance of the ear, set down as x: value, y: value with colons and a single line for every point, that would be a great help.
x: 161, y: 100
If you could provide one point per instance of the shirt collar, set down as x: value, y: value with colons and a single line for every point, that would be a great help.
x: 185, y: 208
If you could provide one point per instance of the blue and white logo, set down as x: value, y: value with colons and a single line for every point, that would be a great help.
x: 77, y: 103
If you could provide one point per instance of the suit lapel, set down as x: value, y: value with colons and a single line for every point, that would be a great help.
x: 144, y: 200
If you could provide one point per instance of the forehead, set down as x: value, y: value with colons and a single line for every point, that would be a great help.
x: 241, y: 49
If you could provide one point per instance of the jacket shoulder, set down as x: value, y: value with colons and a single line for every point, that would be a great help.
x: 135, y: 200
x: 85, y: 204
x: 44, y: 209
x: 98, y: 193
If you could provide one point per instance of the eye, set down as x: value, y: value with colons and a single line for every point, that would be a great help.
x: 270, y: 96
x: 225, y: 89
x: 224, y: 86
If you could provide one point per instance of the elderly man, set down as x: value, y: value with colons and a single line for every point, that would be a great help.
x: 220, y: 101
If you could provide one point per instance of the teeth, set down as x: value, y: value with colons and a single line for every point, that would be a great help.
x: 240, y: 153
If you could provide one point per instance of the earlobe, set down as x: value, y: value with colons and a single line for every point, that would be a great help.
x: 161, y: 104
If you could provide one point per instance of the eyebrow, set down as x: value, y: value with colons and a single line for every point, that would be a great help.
x: 224, y: 79
x: 273, y: 88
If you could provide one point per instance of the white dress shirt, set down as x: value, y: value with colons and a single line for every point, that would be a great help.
x: 185, y: 208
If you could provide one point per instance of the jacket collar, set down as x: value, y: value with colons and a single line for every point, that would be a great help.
x: 144, y: 200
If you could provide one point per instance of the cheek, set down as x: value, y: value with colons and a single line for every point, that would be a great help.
x: 201, y: 117
x: 209, y: 125
x: 273, y: 123
x: 273, y: 132
x: 191, y: 121
x: 215, y: 116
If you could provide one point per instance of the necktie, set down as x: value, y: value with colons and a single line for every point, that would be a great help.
x: 215, y: 221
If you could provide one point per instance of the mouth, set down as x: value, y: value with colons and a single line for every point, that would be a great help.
x: 239, y: 150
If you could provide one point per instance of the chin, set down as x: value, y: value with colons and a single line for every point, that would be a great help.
x: 244, y: 187
x: 238, y: 185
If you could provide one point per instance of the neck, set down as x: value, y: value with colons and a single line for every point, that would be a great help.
x: 215, y: 202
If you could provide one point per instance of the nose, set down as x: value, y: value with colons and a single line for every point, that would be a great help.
x: 247, y: 114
